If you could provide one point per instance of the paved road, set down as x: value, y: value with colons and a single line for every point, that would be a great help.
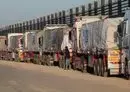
x: 21, y: 77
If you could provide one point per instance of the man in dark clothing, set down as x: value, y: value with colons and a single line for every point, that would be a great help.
x: 67, y: 58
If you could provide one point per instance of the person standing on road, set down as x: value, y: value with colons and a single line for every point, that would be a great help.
x: 67, y: 58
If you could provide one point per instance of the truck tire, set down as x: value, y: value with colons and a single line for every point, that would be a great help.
x: 61, y: 64
x: 100, y: 66
x: 106, y: 72
x: 43, y: 60
x: 84, y: 70
x: 74, y: 66
x: 102, y: 69
x: 128, y: 78
x: 39, y: 62
x: 48, y: 61
x: 95, y: 68
x: 127, y: 75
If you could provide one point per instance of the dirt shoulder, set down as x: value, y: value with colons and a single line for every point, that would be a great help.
x: 68, y: 73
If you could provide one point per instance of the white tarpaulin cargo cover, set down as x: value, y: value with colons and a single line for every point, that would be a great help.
x: 52, y: 37
x: 13, y: 40
x: 3, y: 45
x: 30, y: 43
x: 99, y: 34
x: 91, y: 35
x: 78, y: 25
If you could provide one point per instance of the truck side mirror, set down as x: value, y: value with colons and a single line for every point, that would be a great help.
x: 70, y: 35
x: 39, y: 42
x: 116, y: 34
x: 127, y: 47
x: 6, y: 43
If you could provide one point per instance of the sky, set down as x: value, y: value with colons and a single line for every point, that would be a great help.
x: 14, y: 11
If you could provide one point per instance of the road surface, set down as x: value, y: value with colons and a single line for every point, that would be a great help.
x: 23, y: 77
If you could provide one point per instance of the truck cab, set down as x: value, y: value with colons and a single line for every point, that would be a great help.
x: 124, y: 34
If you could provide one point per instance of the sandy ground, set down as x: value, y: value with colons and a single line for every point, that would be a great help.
x: 25, y: 77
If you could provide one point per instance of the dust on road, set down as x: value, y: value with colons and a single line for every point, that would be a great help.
x: 24, y: 77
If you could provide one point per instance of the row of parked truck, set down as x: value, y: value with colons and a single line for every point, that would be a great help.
x: 96, y: 43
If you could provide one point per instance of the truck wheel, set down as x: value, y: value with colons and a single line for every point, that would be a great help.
x: 48, y: 61
x: 60, y: 64
x: 84, y: 69
x: 95, y: 68
x: 106, y: 72
x: 43, y: 60
x: 102, y: 69
x: 100, y: 66
x: 127, y: 75
x: 39, y: 62
x: 74, y: 67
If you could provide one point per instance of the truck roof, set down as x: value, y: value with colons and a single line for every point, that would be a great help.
x: 55, y: 26
x: 84, y: 18
x: 14, y: 34
x: 109, y: 21
x: 30, y: 32
x: 115, y: 21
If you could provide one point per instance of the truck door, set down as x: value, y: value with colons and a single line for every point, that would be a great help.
x: 126, y: 46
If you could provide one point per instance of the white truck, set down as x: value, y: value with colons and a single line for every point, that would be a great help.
x: 124, y: 43
x: 95, y: 45
x: 29, y: 45
x: 51, y: 42
x: 3, y: 43
x: 14, y: 45
x: 29, y: 41
x: 3, y: 46
x: 14, y: 41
